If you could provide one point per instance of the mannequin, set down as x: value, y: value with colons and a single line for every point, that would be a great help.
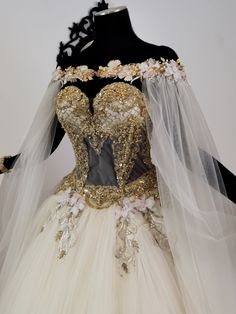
x: 145, y: 204
x: 118, y: 41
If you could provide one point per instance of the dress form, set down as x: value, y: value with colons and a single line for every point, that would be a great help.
x: 116, y: 39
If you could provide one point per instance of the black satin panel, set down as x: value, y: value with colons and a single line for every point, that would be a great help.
x: 102, y: 169
x: 139, y: 169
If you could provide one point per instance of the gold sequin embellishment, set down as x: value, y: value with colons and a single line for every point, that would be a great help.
x: 100, y: 196
x: 119, y: 116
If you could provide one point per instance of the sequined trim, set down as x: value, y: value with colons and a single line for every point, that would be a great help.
x: 148, y: 69
x: 99, y: 196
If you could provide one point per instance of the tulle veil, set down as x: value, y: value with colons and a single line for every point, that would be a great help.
x: 21, y: 189
x: 200, y: 221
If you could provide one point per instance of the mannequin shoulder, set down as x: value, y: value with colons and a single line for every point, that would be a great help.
x: 168, y: 53
x: 157, y: 52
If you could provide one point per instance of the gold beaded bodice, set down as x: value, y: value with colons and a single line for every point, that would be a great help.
x: 112, y: 139
x: 111, y: 147
x: 112, y: 153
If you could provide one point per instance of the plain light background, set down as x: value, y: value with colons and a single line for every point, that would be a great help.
x: 201, y: 32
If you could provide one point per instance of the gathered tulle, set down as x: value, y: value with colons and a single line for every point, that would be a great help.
x: 199, y: 219
x: 88, y: 279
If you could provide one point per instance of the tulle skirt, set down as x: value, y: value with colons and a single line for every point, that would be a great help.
x: 80, y: 272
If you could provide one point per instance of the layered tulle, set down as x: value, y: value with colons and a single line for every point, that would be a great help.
x: 88, y: 279
x: 21, y: 188
x: 200, y: 220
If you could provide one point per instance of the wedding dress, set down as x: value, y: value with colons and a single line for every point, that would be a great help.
x: 140, y: 225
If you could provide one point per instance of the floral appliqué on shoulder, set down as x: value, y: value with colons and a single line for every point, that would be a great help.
x: 148, y: 69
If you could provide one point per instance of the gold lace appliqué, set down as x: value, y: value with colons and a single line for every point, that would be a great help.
x: 127, y: 245
x: 119, y: 114
x: 70, y: 206
x: 99, y: 196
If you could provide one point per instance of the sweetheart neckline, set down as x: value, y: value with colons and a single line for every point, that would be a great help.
x: 91, y: 104
x: 96, y: 94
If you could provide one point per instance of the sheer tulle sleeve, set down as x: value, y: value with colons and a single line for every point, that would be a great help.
x: 21, y: 188
x: 200, y: 220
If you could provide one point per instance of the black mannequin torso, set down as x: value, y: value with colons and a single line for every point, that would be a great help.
x: 115, y: 39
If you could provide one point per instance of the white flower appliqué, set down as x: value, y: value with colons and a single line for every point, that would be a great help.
x: 149, y: 69
x: 113, y: 63
x: 70, y: 206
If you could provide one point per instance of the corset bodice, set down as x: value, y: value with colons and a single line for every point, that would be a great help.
x: 110, y: 145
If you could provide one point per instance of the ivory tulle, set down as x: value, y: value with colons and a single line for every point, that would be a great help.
x: 88, y: 279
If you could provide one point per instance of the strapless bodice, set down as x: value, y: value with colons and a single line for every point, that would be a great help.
x: 111, y: 146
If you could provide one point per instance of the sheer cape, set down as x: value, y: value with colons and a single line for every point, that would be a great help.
x: 200, y: 221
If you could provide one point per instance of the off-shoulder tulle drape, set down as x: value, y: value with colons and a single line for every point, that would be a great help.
x: 200, y: 221
x: 21, y: 189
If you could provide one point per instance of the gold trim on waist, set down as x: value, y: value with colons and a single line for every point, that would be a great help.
x: 100, y: 196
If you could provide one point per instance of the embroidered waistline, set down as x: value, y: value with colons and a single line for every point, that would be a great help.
x: 99, y: 196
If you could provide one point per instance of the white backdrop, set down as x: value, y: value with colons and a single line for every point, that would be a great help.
x: 201, y: 32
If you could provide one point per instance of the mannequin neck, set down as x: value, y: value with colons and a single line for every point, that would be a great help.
x: 113, y: 26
